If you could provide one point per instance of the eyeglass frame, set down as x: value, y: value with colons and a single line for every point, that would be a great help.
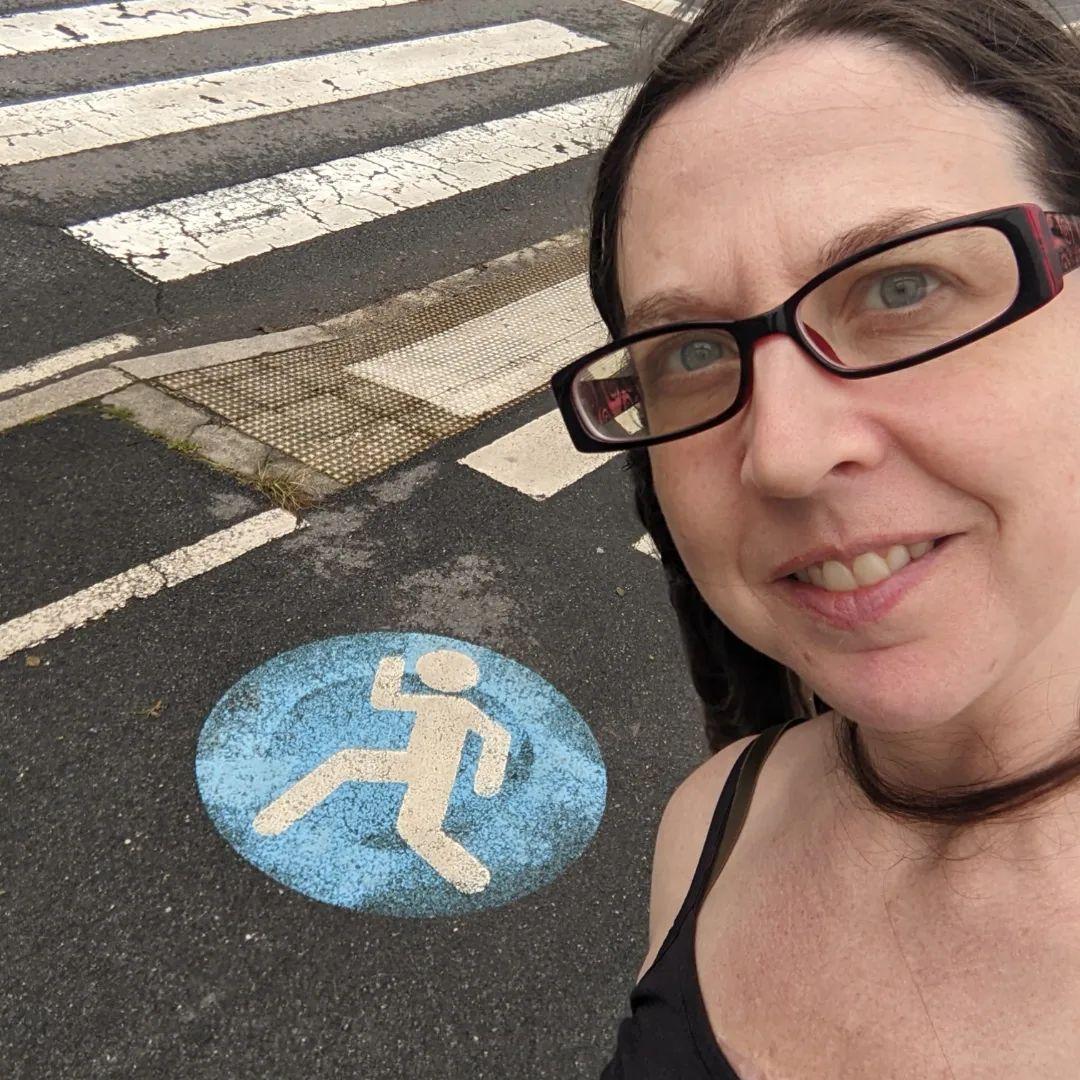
x: 1046, y: 244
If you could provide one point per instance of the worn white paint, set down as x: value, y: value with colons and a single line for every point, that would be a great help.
x: 49, y: 367
x: 143, y: 580
x: 671, y: 8
x: 195, y: 234
x: 537, y: 459
x: 53, y: 127
x: 490, y: 360
x: 136, y: 20
x: 428, y: 766
x: 646, y: 546
x: 62, y: 395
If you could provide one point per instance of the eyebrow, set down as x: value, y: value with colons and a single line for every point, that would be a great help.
x: 678, y: 304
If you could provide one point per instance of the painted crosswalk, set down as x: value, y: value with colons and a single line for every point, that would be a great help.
x: 535, y: 459
x: 212, y: 227
x: 471, y: 369
x: 465, y: 373
x: 66, y: 125
x: 138, y: 20
x: 201, y: 233
x: 208, y: 230
x: 408, y: 393
x: 675, y: 9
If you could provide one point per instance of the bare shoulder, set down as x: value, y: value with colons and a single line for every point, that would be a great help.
x: 680, y: 838
x: 689, y: 811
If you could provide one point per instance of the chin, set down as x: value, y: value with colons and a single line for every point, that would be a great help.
x: 912, y: 677
x: 898, y: 696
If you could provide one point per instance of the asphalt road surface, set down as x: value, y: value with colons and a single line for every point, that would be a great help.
x: 477, y: 907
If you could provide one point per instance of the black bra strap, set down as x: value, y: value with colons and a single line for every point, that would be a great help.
x: 744, y: 790
x: 727, y: 822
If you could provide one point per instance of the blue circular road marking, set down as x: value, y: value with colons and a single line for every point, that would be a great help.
x: 405, y: 774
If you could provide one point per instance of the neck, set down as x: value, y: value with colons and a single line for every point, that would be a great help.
x: 930, y: 768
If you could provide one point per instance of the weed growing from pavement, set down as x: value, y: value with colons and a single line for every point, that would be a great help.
x: 282, y: 489
x: 277, y: 485
x: 118, y: 412
x: 183, y: 446
x: 29, y: 421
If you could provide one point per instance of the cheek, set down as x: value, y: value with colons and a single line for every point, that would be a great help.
x: 1014, y: 436
x: 998, y: 428
x: 698, y: 506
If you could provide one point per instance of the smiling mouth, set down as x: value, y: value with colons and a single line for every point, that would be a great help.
x: 849, y: 609
x: 866, y: 570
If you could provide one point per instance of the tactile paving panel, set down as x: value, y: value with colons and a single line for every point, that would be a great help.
x: 305, y: 403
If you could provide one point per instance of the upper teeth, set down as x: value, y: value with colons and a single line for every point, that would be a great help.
x: 866, y: 569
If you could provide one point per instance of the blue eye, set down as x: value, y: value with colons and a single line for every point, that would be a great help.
x: 695, y: 355
x: 687, y: 357
x: 904, y: 289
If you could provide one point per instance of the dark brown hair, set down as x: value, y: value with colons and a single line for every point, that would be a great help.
x: 1003, y: 52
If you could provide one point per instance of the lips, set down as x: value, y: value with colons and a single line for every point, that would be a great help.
x: 882, y: 543
x: 849, y: 610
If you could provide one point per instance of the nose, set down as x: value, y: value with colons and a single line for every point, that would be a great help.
x: 802, y: 424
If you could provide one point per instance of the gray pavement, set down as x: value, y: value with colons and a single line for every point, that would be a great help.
x: 138, y: 943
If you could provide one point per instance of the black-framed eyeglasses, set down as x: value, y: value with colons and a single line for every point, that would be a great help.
x: 891, y: 306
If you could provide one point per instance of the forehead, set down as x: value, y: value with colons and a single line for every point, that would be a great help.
x: 736, y: 189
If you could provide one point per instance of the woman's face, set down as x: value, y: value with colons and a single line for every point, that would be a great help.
x: 729, y: 200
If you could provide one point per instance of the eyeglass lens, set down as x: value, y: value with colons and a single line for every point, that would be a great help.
x: 888, y: 307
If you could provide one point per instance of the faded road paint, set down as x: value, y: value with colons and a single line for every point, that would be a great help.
x: 537, y: 459
x: 51, y: 127
x: 195, y: 234
x: 138, y: 20
x: 405, y: 774
x: 518, y: 346
x: 146, y: 579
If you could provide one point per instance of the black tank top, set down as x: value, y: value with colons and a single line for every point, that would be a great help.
x: 667, y: 1035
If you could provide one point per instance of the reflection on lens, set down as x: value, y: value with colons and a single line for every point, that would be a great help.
x: 607, y: 397
x: 659, y: 386
x: 912, y: 298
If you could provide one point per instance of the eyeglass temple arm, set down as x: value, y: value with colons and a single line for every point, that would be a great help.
x: 1065, y: 229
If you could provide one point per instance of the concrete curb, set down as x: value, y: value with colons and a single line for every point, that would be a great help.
x: 125, y: 383
x: 177, y: 422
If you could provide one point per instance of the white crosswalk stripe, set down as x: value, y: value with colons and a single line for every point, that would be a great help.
x: 475, y: 367
x: 137, y: 20
x: 646, y: 546
x: 201, y: 233
x: 674, y: 9
x: 56, y: 126
x: 536, y: 459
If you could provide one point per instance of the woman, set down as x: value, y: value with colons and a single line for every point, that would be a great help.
x: 867, y: 502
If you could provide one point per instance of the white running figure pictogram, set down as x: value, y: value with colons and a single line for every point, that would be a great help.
x: 428, y: 765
